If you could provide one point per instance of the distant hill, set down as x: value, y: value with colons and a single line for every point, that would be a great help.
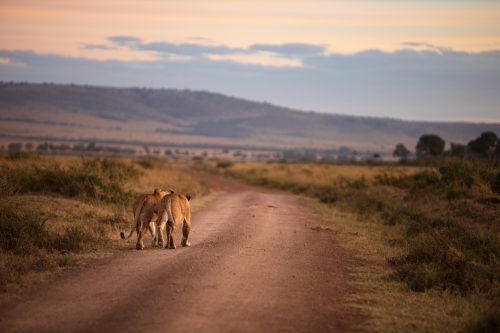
x: 163, y: 116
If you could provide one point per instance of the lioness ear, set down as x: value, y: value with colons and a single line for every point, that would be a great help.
x: 188, y: 197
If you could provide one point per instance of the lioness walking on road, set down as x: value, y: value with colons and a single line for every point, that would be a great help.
x: 146, y: 208
x: 174, y: 209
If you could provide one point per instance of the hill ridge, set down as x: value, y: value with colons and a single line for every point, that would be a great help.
x: 176, y: 115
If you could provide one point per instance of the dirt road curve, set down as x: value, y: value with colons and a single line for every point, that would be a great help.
x: 255, y: 265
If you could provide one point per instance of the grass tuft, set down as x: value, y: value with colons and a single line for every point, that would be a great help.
x: 29, y: 244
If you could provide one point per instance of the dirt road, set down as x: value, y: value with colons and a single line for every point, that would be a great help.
x: 255, y: 265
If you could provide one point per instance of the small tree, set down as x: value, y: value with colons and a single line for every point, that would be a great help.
x: 458, y: 150
x: 401, y: 152
x: 146, y: 150
x: 430, y: 145
x: 15, y: 146
x: 484, y: 146
x: 497, y: 155
x: 91, y: 146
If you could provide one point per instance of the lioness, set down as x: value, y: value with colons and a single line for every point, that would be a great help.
x: 174, y: 209
x: 145, y: 209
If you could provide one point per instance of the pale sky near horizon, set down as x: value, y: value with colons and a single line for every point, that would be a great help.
x: 295, y: 37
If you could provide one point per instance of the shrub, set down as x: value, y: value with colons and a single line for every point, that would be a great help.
x: 224, y: 164
x: 23, y: 233
x: 19, y: 155
x: 447, y: 255
x: 27, y: 244
x: 390, y: 179
x: 426, y: 178
x: 146, y: 163
x: 76, y: 239
x: 327, y: 194
x: 467, y: 178
x: 91, y: 179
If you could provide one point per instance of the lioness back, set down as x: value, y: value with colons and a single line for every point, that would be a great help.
x: 179, y: 204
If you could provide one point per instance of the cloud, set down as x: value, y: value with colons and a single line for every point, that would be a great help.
x: 177, y: 57
x: 201, y: 39
x: 427, y: 46
x: 191, y: 49
x: 290, y: 49
x: 257, y: 58
x: 272, y: 55
x: 92, y: 46
x: 7, y: 61
x: 124, y: 40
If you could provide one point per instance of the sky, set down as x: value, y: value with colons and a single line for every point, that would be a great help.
x: 409, y: 59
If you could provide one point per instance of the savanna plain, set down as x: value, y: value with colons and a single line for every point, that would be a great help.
x: 425, y: 239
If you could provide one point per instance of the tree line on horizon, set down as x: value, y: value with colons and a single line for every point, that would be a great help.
x: 430, y: 146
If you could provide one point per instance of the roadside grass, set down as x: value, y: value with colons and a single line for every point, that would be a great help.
x: 429, y: 235
x: 40, y: 234
x: 391, y: 306
x: 59, y: 212
x: 99, y: 180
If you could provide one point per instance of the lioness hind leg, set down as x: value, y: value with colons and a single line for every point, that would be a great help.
x: 186, y: 227
x: 160, y: 227
x: 140, y: 243
x: 152, y: 231
x: 141, y: 229
x: 171, y: 231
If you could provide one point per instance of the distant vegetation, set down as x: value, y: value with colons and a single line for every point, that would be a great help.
x: 63, y: 148
x: 431, y: 148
